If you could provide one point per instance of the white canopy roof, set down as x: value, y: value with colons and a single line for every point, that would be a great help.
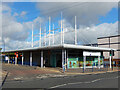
x: 64, y: 46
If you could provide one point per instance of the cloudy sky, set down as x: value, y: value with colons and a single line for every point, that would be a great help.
x: 94, y: 19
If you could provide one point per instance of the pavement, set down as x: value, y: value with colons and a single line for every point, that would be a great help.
x: 35, y: 77
x: 19, y: 72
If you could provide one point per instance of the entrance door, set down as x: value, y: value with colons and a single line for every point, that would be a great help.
x: 53, y: 60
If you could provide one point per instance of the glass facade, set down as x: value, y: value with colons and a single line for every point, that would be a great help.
x: 79, y: 62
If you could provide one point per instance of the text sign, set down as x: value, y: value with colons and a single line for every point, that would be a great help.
x: 85, y: 53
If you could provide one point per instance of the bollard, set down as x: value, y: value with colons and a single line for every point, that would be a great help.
x: 112, y: 66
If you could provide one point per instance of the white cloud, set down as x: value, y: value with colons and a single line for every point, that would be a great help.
x: 88, y: 36
x: 87, y: 12
x: 15, y: 14
x: 5, y: 8
x: 16, y: 44
x: 15, y: 33
x: 23, y: 13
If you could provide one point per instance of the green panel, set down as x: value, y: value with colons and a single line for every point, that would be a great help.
x: 53, y: 60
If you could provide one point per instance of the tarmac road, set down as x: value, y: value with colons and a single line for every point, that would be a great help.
x: 105, y: 80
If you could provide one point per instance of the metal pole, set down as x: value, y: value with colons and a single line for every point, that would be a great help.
x: 40, y: 36
x: 49, y: 30
x: 63, y: 60
x: 22, y: 58
x: 83, y: 68
x: 84, y: 62
x: 32, y: 35
x: 63, y: 32
x: 75, y: 32
x: 53, y: 34
x: 99, y: 61
x: 61, y: 28
x: 41, y: 59
x: 67, y: 59
x: 110, y: 60
x: 8, y: 59
x: 15, y: 60
x: 45, y: 36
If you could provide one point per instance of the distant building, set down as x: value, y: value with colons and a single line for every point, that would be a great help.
x: 111, y: 42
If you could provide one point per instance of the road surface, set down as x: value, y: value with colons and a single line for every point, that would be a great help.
x: 105, y: 80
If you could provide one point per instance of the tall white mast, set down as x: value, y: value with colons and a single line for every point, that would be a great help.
x: 63, y: 32
x: 49, y: 30
x: 40, y: 36
x: 61, y: 27
x: 45, y: 36
x: 53, y: 34
x: 32, y: 35
x: 75, y: 32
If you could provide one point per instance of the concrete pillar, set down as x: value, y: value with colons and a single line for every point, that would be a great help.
x: 62, y: 58
x: 15, y: 60
x: 110, y: 59
x: 99, y: 62
x: 84, y: 62
x: 30, y: 58
x: 65, y: 60
x: 41, y: 59
x: 22, y: 58
x: 8, y: 59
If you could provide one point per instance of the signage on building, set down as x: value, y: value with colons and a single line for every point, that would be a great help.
x: 85, y: 53
x: 73, y: 63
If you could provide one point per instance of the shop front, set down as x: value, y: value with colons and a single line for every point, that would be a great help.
x: 92, y: 59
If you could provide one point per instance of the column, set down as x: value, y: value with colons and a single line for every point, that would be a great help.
x: 110, y: 59
x: 15, y: 60
x: 30, y: 58
x: 65, y: 60
x: 41, y: 59
x: 22, y: 58
x: 8, y: 59
x: 62, y: 58
x: 99, y: 62
x: 84, y: 62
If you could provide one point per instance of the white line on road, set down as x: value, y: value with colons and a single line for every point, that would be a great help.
x: 83, y: 82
